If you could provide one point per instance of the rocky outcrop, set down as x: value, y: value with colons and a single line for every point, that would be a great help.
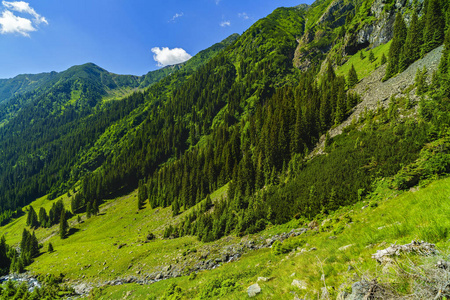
x: 334, y: 15
x: 374, y: 91
x: 208, y: 258
x: 376, y: 28
x: 396, y: 250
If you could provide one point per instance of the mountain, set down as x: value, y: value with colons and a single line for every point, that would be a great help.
x: 44, y: 131
x: 21, y: 90
x: 287, y: 129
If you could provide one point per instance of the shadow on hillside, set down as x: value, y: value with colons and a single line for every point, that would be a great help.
x: 72, y: 231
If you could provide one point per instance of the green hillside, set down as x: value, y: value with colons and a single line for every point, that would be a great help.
x: 198, y: 178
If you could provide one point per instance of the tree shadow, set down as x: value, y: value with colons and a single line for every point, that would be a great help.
x: 72, y: 231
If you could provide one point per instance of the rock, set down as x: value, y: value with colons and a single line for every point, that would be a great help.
x: 343, y: 295
x: 343, y: 248
x: 300, y: 284
x: 413, y: 247
x: 263, y: 279
x: 442, y: 264
x: 121, y: 246
x: 324, y: 294
x: 350, y: 268
x: 253, y: 290
x: 313, y: 224
x: 313, y: 249
x: 158, y: 277
x: 332, y: 237
x: 82, y: 289
x: 358, y: 292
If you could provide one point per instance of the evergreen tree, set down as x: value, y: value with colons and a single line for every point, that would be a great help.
x: 43, y: 218
x: 383, y: 59
x: 88, y: 210
x: 32, y: 218
x: 352, y: 77
x: 95, y: 207
x: 208, y: 203
x: 444, y: 67
x: 433, y: 35
x: 411, y: 48
x: 396, y: 46
x: 5, y: 261
x: 371, y: 56
x: 34, y: 246
x: 421, y: 81
x: 142, y: 195
x: 63, y: 225
x: 50, y: 247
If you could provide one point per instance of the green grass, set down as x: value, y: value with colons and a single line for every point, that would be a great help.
x: 397, y: 218
x: 364, y: 67
x: 91, y: 253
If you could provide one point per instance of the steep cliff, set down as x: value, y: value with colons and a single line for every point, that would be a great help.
x: 347, y: 26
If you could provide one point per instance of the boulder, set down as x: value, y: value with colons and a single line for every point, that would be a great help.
x: 300, y: 284
x: 253, y: 290
x: 413, y: 247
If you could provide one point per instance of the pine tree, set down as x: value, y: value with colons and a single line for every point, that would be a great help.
x: 444, y: 67
x: 63, y: 225
x: 43, y: 218
x: 34, y: 246
x: 88, y: 210
x: 433, y: 35
x: 50, y: 247
x: 32, y: 218
x: 411, y: 48
x: 95, y: 208
x: 421, y: 81
x: 142, y: 195
x: 371, y: 56
x: 396, y: 46
x: 383, y: 59
x: 208, y: 203
x: 352, y: 77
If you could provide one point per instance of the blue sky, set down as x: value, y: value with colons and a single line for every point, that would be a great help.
x: 122, y: 36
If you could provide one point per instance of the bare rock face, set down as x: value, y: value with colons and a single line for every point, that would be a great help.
x: 376, y: 28
x: 335, y: 15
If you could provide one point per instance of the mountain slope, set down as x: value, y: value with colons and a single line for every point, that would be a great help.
x: 45, y: 131
x: 208, y: 156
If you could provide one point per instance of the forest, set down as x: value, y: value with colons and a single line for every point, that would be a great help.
x: 241, y: 115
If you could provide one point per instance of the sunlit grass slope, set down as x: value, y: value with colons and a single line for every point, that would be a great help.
x: 384, y: 218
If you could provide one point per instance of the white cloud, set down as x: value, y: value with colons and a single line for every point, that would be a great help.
x: 176, y: 16
x: 243, y: 16
x: 225, y: 23
x: 165, y: 56
x: 9, y: 23
x: 218, y: 1
x: 24, y: 7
